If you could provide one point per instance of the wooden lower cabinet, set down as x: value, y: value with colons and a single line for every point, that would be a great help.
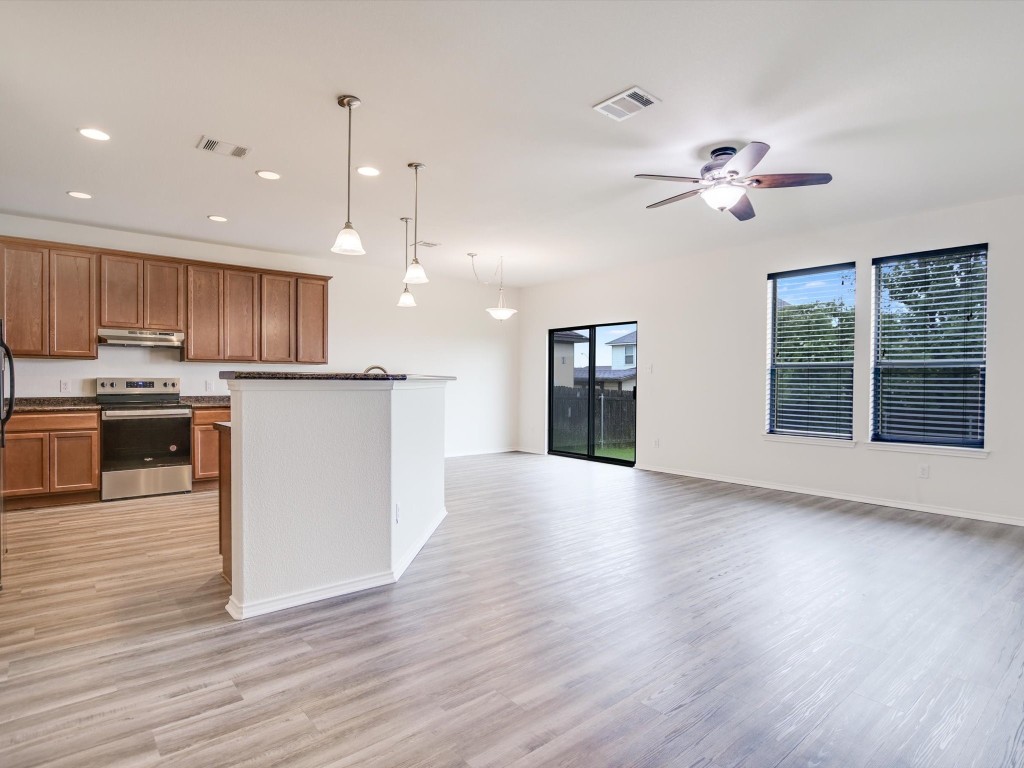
x: 27, y: 464
x: 224, y: 493
x: 74, y: 461
x: 206, y: 442
x: 52, y: 453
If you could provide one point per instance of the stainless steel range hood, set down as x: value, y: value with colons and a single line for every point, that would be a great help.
x: 126, y: 337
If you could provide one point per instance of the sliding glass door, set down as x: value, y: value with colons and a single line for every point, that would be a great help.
x: 592, y: 392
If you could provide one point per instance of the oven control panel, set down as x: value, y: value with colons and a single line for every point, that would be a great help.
x: 110, y: 386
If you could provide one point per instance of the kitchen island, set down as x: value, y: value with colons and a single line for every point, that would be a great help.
x: 337, y: 482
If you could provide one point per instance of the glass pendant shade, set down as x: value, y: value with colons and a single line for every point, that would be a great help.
x: 406, y: 299
x: 723, y: 197
x: 501, y: 312
x: 415, y: 274
x: 348, y: 242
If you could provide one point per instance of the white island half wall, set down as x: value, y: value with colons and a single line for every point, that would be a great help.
x: 337, y: 482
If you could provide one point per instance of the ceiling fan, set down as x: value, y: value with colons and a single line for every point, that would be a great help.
x: 724, y: 181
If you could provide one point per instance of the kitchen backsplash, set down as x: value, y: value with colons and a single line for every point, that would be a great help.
x: 43, y: 377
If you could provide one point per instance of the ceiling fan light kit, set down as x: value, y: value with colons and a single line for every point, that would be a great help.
x: 725, y: 179
x: 348, y: 242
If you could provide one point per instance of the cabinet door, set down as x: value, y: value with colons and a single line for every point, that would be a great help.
x: 205, y: 452
x: 74, y: 461
x: 26, y: 464
x: 311, y: 327
x: 277, y: 338
x: 121, y: 280
x: 241, y: 315
x: 72, y: 304
x: 205, y: 313
x: 164, y: 295
x: 26, y: 300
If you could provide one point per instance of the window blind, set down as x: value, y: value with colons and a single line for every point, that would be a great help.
x: 928, y: 377
x: 810, y: 372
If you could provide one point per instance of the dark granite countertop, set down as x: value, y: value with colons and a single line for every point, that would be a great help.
x: 44, y: 404
x: 206, y: 401
x: 296, y: 376
x: 41, y: 404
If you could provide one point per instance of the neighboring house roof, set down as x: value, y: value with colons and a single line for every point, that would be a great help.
x: 605, y: 373
x: 629, y: 338
x: 570, y: 336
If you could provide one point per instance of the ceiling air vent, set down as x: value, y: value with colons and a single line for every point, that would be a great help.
x: 626, y: 104
x: 221, y: 147
x: 426, y: 244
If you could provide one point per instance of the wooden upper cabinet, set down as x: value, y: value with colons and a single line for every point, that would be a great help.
x: 163, y: 295
x: 205, y: 335
x: 311, y: 325
x: 241, y: 315
x: 27, y: 300
x: 121, y: 294
x: 72, y: 304
x: 277, y: 333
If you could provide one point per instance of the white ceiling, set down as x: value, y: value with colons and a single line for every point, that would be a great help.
x: 910, y: 106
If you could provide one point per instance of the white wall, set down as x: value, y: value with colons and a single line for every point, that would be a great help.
x: 702, y: 339
x: 447, y: 334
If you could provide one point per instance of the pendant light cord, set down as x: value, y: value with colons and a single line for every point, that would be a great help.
x: 416, y: 215
x: 348, y: 202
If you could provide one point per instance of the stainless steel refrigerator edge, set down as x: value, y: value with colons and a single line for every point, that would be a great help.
x: 7, y: 403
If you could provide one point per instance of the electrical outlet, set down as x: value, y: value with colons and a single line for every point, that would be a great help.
x: 924, y: 471
x: 209, y: 386
x: 64, y: 386
x: 657, y: 442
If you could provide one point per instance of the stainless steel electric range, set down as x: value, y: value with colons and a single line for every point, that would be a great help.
x: 145, y: 438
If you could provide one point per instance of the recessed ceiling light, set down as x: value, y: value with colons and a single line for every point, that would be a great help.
x: 268, y: 175
x: 216, y: 218
x: 80, y: 195
x: 94, y: 133
x: 366, y: 170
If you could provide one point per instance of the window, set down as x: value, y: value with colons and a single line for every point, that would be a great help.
x: 810, y: 370
x: 928, y: 375
x: 630, y: 354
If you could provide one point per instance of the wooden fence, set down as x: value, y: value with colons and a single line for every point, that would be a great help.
x: 614, y: 416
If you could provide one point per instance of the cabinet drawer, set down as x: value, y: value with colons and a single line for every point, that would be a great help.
x: 45, y: 422
x: 202, y: 416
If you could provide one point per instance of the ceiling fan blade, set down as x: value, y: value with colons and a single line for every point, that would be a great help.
x: 776, y: 180
x: 656, y: 177
x: 683, y: 196
x: 743, y: 210
x: 744, y: 161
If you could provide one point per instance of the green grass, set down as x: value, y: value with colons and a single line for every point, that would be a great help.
x: 622, y: 452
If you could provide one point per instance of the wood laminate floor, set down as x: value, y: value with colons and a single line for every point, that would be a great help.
x: 564, y: 614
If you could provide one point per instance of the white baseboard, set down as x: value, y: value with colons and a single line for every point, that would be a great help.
x: 916, y: 506
x: 488, y: 452
x: 260, y: 607
x: 398, y: 567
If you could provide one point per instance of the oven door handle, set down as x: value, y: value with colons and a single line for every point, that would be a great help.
x: 162, y: 413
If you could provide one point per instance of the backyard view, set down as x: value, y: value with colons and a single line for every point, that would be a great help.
x: 593, y: 392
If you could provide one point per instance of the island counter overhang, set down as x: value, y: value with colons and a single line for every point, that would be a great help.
x: 337, y: 482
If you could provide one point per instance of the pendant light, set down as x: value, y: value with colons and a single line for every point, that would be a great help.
x: 415, y: 274
x: 406, y: 299
x: 348, y: 242
x: 500, y: 312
